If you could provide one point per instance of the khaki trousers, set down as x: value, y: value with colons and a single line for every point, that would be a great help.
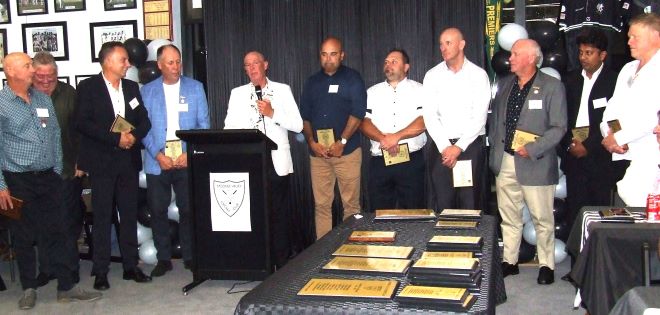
x: 346, y: 171
x: 539, y: 199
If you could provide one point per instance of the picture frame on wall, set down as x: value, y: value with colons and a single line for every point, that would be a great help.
x: 3, y: 48
x: 70, y: 5
x: 31, y: 7
x: 51, y: 37
x: 80, y: 77
x: 5, y: 11
x: 63, y: 79
x: 110, y: 5
x: 102, y: 32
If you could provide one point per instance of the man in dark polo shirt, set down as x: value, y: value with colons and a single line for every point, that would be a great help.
x: 333, y: 103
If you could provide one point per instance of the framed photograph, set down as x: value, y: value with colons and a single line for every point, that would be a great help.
x: 3, y: 47
x: 82, y: 77
x: 63, y: 79
x: 110, y: 5
x: 50, y: 37
x: 103, y: 32
x: 31, y: 7
x: 5, y: 12
x: 69, y: 5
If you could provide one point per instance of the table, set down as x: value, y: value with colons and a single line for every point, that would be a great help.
x: 610, y: 262
x: 638, y: 301
x: 277, y: 294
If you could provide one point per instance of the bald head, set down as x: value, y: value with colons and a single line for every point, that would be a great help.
x: 452, y: 45
x: 18, y: 70
x: 525, y: 54
x: 331, y: 55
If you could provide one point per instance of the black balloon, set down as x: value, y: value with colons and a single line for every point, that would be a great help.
x: 137, y: 51
x: 562, y: 231
x: 144, y: 215
x: 148, y: 72
x: 545, y: 33
x: 526, y: 252
x: 555, y: 58
x: 559, y: 210
x: 174, y: 231
x: 500, y: 62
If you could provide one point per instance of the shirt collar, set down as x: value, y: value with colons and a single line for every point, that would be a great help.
x: 108, y: 84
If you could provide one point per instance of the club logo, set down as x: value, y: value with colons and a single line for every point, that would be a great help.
x: 229, y: 195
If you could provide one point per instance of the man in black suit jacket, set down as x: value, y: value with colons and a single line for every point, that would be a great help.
x: 590, y: 172
x: 112, y: 159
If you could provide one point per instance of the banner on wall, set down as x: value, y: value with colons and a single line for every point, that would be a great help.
x: 493, y: 21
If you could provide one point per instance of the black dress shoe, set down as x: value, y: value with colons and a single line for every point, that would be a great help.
x: 136, y: 275
x: 509, y: 269
x: 567, y: 277
x: 101, y: 282
x: 546, y: 276
x: 162, y: 267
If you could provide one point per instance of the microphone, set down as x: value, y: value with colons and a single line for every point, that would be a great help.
x: 257, y: 90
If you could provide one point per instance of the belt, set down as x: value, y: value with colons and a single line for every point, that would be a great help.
x: 37, y: 173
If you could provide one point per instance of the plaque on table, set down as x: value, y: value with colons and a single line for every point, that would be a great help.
x: 15, y: 211
x: 325, y: 137
x: 451, y: 299
x: 401, y: 157
x: 455, y: 243
x: 368, y: 265
x: 372, y: 236
x: 580, y: 133
x: 614, y: 125
x: 405, y: 214
x: 446, y: 255
x: 521, y: 138
x: 456, y: 225
x: 120, y: 124
x: 173, y: 149
x: 464, y: 214
x: 616, y: 215
x: 447, y: 265
x: 377, y: 251
x: 349, y: 288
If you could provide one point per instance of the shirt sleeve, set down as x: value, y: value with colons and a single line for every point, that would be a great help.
x: 478, y: 109
x: 430, y: 114
x: 287, y: 115
x: 358, y: 99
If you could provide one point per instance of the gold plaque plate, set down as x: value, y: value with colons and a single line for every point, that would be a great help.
x: 454, y: 239
x: 402, y: 157
x: 521, y: 138
x: 467, y: 213
x: 426, y: 255
x: 436, y: 293
x: 372, y: 289
x: 447, y: 263
x: 173, y: 149
x: 614, y: 125
x: 405, y: 214
x: 325, y: 137
x: 456, y: 224
x: 377, y: 251
x: 385, y: 265
x: 120, y: 125
x: 581, y: 133
x: 372, y: 236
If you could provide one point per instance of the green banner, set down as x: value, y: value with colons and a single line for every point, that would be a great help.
x: 493, y: 21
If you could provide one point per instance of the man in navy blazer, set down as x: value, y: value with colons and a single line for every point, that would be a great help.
x: 174, y: 102
x: 534, y: 102
x: 112, y: 159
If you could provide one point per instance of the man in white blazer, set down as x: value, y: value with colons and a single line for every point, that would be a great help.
x: 269, y: 106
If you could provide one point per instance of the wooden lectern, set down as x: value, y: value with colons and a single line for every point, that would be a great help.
x: 218, y: 251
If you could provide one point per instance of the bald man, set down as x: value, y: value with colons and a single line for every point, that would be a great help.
x: 333, y: 103
x: 457, y: 93
x: 530, y: 101
x: 31, y: 162
x: 274, y: 113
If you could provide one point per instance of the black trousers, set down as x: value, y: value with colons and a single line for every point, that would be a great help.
x: 73, y: 221
x: 114, y: 187
x: 159, y: 196
x: 448, y: 196
x: 42, y: 217
x: 399, y: 186
x: 280, y: 212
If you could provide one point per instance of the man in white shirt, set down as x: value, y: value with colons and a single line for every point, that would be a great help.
x: 395, y: 125
x: 458, y: 93
x: 634, y: 104
x: 269, y: 106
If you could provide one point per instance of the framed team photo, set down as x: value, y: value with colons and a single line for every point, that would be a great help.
x: 110, y: 5
x: 50, y: 37
x: 81, y: 77
x: 69, y: 5
x: 3, y: 48
x: 5, y: 12
x: 31, y: 7
x: 103, y: 32
x: 63, y: 79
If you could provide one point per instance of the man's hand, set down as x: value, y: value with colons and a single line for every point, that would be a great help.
x: 265, y: 108
x: 577, y: 149
x: 77, y: 172
x: 5, y: 200
x: 319, y: 150
x: 390, y: 143
x: 126, y: 140
x: 450, y: 155
x: 336, y: 149
x: 522, y: 151
x: 181, y: 161
x: 164, y: 161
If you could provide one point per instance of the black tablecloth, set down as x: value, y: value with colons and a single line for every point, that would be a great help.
x: 637, y: 300
x: 611, y: 260
x: 277, y: 294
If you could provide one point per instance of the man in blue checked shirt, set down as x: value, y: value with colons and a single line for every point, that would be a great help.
x: 31, y: 162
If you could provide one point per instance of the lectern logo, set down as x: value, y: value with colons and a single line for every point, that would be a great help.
x: 229, y: 195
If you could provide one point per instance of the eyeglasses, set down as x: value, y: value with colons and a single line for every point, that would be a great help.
x: 45, y: 78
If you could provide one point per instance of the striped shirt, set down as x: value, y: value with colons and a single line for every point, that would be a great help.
x: 29, y: 134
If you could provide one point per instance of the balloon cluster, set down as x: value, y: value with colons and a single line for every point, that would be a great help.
x: 545, y: 33
x: 142, y: 56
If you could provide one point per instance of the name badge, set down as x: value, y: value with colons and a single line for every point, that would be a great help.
x: 334, y: 88
x: 42, y: 113
x: 535, y: 104
x: 600, y: 103
x: 134, y: 103
x: 183, y: 107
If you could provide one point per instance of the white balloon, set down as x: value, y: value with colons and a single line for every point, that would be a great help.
x: 527, y: 217
x: 132, y: 74
x: 551, y: 72
x: 560, y: 251
x: 529, y: 233
x: 147, y: 252
x: 142, y: 179
x: 560, y: 190
x: 173, y: 212
x: 509, y: 34
x: 143, y: 233
x: 153, y: 46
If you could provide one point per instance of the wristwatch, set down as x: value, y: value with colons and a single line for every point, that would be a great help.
x: 343, y: 141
